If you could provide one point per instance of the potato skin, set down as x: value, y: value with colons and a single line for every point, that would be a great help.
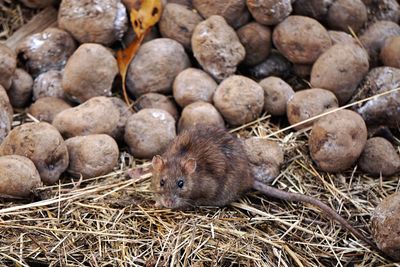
x: 200, y: 113
x: 48, y: 84
x: 20, y: 92
x: 276, y: 95
x: 41, y: 143
x: 8, y: 64
x: 154, y: 100
x: 46, y: 108
x: 343, y: 14
x: 18, y: 176
x: 390, y: 53
x: 269, y: 12
x: 6, y: 114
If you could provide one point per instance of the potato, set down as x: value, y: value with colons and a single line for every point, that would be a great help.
x: 345, y: 14
x: 102, y: 21
x: 5, y: 104
x: 379, y: 157
x: 301, y: 39
x: 340, y: 69
x: 383, y: 10
x: 269, y: 12
x: 98, y: 115
x: 193, y: 85
x: 148, y: 132
x: 8, y: 64
x: 276, y: 94
x: 265, y: 157
x: 41, y: 143
x: 154, y: 100
x: 339, y: 37
x: 18, y: 177
x: 178, y: 22
x: 217, y: 48
x: 89, y: 72
x: 20, y: 92
x: 337, y: 140
x: 44, y: 51
x: 200, y: 113
x: 385, y: 226
x: 256, y: 40
x: 124, y: 113
x: 274, y: 65
x: 317, y: 9
x: 46, y: 108
x: 155, y: 67
x: 48, y: 84
x: 239, y: 99
x: 390, y: 53
x: 92, y: 155
x: 308, y: 103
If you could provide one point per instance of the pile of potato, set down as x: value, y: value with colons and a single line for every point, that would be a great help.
x: 219, y: 63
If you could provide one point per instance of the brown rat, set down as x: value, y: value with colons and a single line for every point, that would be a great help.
x: 206, y: 166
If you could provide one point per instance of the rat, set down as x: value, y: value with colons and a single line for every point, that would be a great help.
x: 207, y: 166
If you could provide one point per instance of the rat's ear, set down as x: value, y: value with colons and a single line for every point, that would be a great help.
x: 189, y: 166
x: 158, y: 163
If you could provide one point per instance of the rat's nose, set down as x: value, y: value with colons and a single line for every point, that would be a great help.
x: 169, y: 203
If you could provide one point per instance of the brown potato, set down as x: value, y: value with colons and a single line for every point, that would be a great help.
x: 383, y: 10
x: 44, y: 51
x: 20, y: 92
x: 339, y: 37
x: 124, y: 113
x: 217, y: 48
x: 193, y: 85
x: 301, y: 39
x: 257, y: 42
x: 200, y: 113
x: 18, y: 177
x: 154, y: 100
x: 308, y: 103
x: 239, y: 99
x: 46, y: 108
x: 276, y: 95
x: 316, y: 9
x: 8, y: 64
x: 379, y: 157
x: 337, y: 140
x: 5, y: 104
x: 340, y: 69
x: 89, y: 72
x: 274, y: 65
x: 178, y: 22
x: 98, y: 115
x: 265, y: 157
x: 385, y: 226
x: 92, y: 155
x: 101, y: 22
x: 345, y: 14
x: 155, y: 67
x: 48, y: 84
x: 269, y: 12
x: 41, y: 143
x: 390, y: 53
x: 148, y: 132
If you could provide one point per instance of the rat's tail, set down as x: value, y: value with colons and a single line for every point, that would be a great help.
x: 283, y: 195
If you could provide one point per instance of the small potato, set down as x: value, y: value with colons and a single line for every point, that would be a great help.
x: 274, y: 65
x: 301, y: 39
x: 98, y: 115
x: 155, y: 67
x: 149, y: 131
x: 265, y: 157
x: 193, y: 85
x: 48, y: 84
x: 339, y: 37
x: 269, y: 12
x: 257, y: 42
x: 308, y: 103
x: 8, y: 64
x: 217, y: 48
x: 345, y: 14
x: 124, y: 113
x: 20, y: 92
x: 390, y: 53
x: 18, y: 177
x: 178, y: 22
x: 239, y: 99
x: 154, y: 100
x: 276, y: 95
x: 379, y: 158
x: 385, y: 226
x: 200, y: 113
x: 92, y: 155
x: 89, y: 72
x: 317, y: 9
x: 340, y: 69
x: 337, y: 140
x: 46, y: 108
x: 44, y: 51
x: 41, y: 143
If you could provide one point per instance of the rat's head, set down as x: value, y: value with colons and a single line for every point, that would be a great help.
x: 172, y: 182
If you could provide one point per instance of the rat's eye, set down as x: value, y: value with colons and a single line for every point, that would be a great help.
x: 162, y: 182
x: 180, y: 183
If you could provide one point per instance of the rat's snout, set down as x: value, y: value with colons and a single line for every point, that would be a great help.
x: 169, y: 202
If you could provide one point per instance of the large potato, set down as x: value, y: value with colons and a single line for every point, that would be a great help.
x: 96, y: 116
x: 41, y: 143
x: 18, y: 176
x: 340, y: 69
x: 347, y: 14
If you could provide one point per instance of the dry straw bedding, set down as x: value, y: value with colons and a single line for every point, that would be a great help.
x: 109, y: 220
